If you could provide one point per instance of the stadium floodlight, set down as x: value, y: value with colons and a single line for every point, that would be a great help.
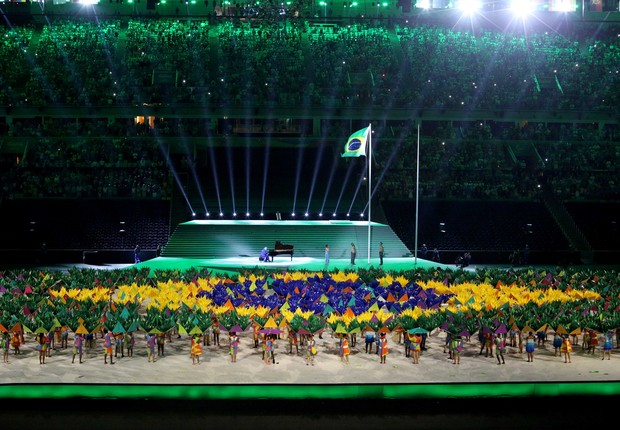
x: 522, y: 8
x: 469, y: 7
x: 423, y: 4
x: 564, y: 6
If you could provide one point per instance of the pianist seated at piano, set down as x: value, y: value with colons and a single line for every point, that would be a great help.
x: 264, y: 255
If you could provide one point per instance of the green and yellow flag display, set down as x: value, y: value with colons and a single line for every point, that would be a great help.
x: 356, y: 145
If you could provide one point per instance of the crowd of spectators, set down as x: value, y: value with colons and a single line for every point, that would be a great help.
x: 351, y: 63
x: 73, y: 63
x: 582, y: 170
x: 172, y: 52
x: 14, y: 68
x: 83, y: 63
x: 259, y: 63
x: 120, y: 158
x: 113, y: 127
x: 93, y: 168
x: 479, y: 162
x: 495, y: 70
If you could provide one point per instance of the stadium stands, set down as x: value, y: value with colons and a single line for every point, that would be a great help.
x: 123, y: 109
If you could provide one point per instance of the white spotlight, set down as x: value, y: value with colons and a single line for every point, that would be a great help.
x: 262, y: 214
x: 348, y: 214
x: 522, y: 7
x: 362, y: 215
x: 193, y: 213
x: 208, y: 214
x: 321, y: 214
x: 565, y: 6
x: 234, y: 213
x: 334, y: 214
x: 469, y: 7
x: 293, y: 214
x: 306, y: 214
x: 247, y: 214
x: 423, y: 4
x: 221, y: 213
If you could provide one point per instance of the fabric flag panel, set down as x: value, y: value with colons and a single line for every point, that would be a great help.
x: 356, y: 145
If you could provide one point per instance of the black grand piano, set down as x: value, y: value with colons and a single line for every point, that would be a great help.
x: 281, y: 249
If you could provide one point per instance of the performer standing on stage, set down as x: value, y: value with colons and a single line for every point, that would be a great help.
x: 292, y: 341
x: 108, y: 341
x: 196, y: 349
x: 344, y: 348
x: 42, y: 347
x: 78, y: 347
x: 530, y: 345
x: 130, y: 341
x: 416, y: 347
x: 15, y: 342
x: 383, y: 348
x: 6, y: 346
x: 136, y: 254
x: 566, y: 348
x: 151, y: 341
x: 268, y: 347
x: 255, y: 334
x: 234, y: 346
x: 311, y: 350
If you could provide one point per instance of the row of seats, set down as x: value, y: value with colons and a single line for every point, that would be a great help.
x: 84, y: 224
x: 476, y: 226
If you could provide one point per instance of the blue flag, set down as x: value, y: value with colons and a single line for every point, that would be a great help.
x: 356, y: 145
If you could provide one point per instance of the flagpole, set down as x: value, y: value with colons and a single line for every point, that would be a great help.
x: 417, y: 197
x: 369, y: 183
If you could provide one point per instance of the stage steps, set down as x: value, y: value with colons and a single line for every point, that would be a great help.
x: 223, y: 239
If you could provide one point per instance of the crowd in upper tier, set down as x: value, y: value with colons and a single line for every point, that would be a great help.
x: 110, y: 62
